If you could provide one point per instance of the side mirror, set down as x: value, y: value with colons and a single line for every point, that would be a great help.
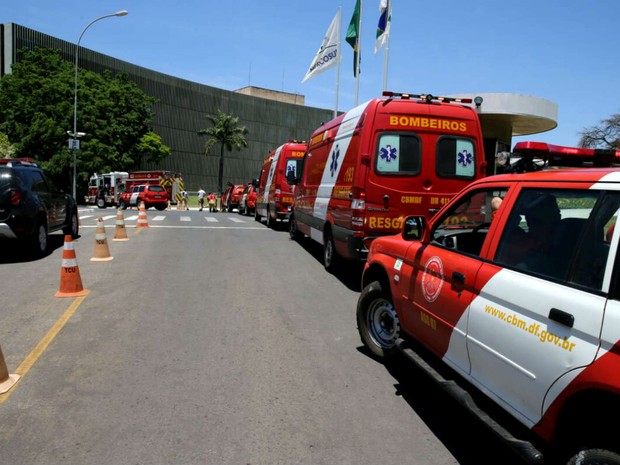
x: 290, y: 178
x: 413, y: 228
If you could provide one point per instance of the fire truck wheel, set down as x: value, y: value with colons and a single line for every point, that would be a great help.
x: 330, y: 256
x: 256, y: 216
x: 292, y: 228
x: 160, y: 207
x: 122, y: 204
x: 595, y: 457
x: 377, y: 321
x: 270, y: 220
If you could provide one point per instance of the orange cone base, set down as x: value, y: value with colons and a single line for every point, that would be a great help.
x: 8, y: 383
x: 81, y: 293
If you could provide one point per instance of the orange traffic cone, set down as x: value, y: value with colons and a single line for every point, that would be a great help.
x: 7, y: 381
x: 70, y: 280
x: 142, y: 221
x: 120, y: 233
x: 102, y: 251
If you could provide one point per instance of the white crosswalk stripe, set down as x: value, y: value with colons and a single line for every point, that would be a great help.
x: 171, y: 219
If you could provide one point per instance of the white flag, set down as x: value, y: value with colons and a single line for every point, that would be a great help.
x: 383, y: 27
x: 329, y: 52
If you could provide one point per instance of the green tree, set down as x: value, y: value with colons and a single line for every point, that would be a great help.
x: 7, y: 150
x: 604, y: 136
x: 36, y: 111
x: 225, y: 131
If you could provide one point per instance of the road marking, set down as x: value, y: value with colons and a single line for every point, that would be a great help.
x: 185, y: 218
x: 34, y: 355
x: 131, y: 218
x: 210, y: 219
x: 159, y: 218
x: 236, y: 220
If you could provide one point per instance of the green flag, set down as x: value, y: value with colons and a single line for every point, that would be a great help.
x: 353, y: 37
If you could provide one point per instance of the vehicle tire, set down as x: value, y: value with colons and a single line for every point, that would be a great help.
x: 38, y: 240
x: 122, y: 205
x: 160, y: 207
x: 73, y: 225
x: 101, y: 202
x: 595, y: 457
x: 293, y: 232
x: 330, y: 256
x: 256, y: 216
x: 377, y: 321
x: 269, y: 219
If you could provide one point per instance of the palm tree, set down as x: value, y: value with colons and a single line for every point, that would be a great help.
x: 226, y: 132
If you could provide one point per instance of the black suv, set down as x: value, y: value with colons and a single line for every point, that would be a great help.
x: 31, y: 206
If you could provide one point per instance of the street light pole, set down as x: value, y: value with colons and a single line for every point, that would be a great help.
x: 75, y: 94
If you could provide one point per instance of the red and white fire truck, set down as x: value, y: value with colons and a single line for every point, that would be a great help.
x: 104, y: 189
x: 171, y: 181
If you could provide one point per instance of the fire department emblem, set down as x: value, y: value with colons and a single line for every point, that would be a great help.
x: 432, y: 279
x: 333, y: 167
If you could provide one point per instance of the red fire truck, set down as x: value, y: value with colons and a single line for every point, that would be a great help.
x: 171, y: 181
x: 104, y: 189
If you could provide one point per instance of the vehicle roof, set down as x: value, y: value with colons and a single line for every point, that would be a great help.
x: 392, y: 105
x: 608, y: 174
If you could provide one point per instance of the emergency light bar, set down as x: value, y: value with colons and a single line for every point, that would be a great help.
x: 427, y: 97
x: 18, y: 161
x: 558, y: 155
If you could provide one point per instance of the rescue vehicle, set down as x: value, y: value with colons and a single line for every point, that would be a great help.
x: 172, y: 182
x: 522, y: 303
x: 104, y: 189
x: 274, y: 199
x: 247, y: 204
x: 152, y: 195
x: 231, y: 197
x: 390, y: 157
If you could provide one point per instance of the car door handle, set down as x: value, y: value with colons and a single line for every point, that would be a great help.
x: 458, y: 282
x: 562, y: 317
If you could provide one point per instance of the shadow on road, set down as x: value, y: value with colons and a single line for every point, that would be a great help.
x: 17, y: 251
x: 467, y: 439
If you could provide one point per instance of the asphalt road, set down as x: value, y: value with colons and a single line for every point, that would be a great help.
x: 209, y: 339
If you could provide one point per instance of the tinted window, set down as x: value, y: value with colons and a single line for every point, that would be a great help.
x: 156, y: 188
x: 456, y: 158
x: 398, y: 154
x: 561, y: 234
x: 38, y: 182
x: 5, y: 178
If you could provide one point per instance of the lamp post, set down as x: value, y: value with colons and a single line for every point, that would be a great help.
x: 77, y: 134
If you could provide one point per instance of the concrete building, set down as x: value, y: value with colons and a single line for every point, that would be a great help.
x: 271, y: 117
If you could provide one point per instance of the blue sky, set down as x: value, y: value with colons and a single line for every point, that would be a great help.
x: 565, y: 51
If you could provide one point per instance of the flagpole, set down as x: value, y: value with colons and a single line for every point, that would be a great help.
x: 339, y: 58
x: 387, y: 47
x: 359, y: 55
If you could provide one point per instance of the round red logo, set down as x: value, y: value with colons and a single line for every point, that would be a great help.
x: 432, y: 279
